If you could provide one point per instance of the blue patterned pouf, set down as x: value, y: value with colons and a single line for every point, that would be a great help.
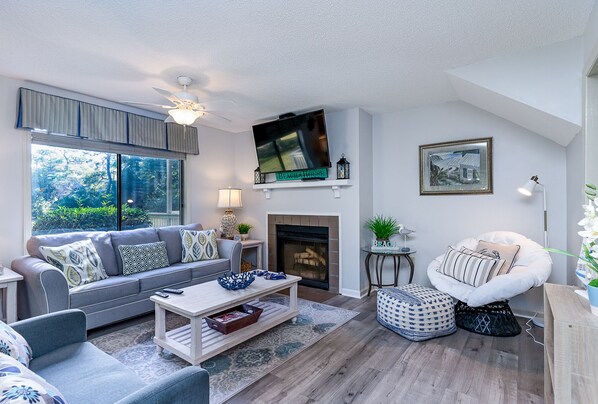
x: 416, y: 312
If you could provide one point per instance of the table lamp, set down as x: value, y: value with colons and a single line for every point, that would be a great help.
x: 229, y: 198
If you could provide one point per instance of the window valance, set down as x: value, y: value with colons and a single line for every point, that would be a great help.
x: 64, y: 116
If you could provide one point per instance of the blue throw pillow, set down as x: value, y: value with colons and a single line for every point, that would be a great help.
x: 143, y: 257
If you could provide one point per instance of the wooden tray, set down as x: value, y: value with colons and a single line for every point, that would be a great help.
x: 253, y: 314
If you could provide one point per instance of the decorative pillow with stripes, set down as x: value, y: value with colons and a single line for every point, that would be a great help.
x: 497, y: 267
x: 467, y: 268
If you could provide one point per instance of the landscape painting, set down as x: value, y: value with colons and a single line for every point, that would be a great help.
x: 460, y: 167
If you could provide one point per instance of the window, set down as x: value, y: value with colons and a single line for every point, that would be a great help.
x: 79, y: 190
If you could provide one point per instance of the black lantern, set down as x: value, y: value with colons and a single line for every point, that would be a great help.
x: 258, y: 177
x: 342, y: 169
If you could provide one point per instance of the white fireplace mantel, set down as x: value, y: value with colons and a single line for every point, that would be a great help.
x: 335, y: 185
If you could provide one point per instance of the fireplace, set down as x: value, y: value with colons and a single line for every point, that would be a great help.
x: 325, y: 225
x: 303, y: 251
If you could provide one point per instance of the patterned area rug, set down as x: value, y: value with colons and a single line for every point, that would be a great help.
x: 237, y: 368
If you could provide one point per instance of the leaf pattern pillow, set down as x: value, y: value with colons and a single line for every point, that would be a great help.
x: 199, y: 245
x: 20, y: 385
x: 79, y: 262
x: 14, y: 345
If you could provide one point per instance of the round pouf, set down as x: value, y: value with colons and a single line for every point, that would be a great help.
x: 416, y: 312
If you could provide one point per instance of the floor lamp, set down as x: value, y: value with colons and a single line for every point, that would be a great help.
x: 528, y: 189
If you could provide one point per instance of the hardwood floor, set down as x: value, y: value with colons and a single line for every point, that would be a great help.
x: 363, y: 362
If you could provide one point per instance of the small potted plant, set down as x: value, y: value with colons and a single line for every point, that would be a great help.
x: 383, y: 227
x: 243, y: 229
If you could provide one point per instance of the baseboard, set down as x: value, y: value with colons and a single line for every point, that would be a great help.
x: 527, y: 313
x: 351, y: 293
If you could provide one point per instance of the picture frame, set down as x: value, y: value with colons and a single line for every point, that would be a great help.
x: 460, y: 167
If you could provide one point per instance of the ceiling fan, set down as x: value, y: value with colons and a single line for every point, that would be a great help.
x: 185, y: 108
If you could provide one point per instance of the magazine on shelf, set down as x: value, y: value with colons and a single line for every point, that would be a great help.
x: 231, y: 316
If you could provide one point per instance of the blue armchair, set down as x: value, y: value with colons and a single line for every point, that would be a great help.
x: 85, y: 374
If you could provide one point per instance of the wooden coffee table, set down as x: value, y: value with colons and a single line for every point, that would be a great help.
x: 197, y: 342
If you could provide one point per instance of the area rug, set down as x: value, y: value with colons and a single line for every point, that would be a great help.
x: 237, y: 368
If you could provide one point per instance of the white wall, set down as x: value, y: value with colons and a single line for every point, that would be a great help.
x: 442, y: 220
x: 344, y: 137
x: 575, y: 198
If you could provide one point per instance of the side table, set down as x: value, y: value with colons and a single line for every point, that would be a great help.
x: 257, y: 245
x: 380, y: 257
x: 8, y: 282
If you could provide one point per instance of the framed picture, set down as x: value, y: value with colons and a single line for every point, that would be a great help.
x: 456, y: 168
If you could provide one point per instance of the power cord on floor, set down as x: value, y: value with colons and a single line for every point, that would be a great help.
x: 529, y: 328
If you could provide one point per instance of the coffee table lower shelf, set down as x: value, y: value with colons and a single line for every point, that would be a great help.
x: 179, y: 340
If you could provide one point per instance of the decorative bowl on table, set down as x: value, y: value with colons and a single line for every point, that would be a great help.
x: 235, y: 281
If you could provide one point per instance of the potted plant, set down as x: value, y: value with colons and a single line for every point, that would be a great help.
x: 383, y: 227
x: 589, y: 245
x: 243, y: 229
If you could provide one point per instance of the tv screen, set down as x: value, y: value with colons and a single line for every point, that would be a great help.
x: 295, y: 143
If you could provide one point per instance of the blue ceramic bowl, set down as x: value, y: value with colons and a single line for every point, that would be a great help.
x: 234, y: 281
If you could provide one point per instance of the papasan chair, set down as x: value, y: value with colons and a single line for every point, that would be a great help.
x: 485, y: 309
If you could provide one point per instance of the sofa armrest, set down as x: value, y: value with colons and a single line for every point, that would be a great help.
x: 43, y: 290
x: 52, y: 331
x: 230, y: 249
x: 189, y: 385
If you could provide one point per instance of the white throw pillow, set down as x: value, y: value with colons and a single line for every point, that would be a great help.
x: 19, y: 385
x: 79, y: 261
x: 14, y: 345
x: 199, y: 245
x: 467, y: 268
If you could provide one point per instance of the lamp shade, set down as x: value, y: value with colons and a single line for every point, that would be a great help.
x: 528, y: 188
x: 184, y: 116
x: 229, y: 198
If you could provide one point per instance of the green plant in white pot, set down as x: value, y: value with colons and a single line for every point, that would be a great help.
x: 243, y: 229
x: 383, y: 227
x: 589, y: 246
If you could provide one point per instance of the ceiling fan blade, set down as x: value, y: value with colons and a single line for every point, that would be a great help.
x: 170, y: 119
x: 147, y: 103
x: 216, y: 115
x: 203, y: 103
x: 168, y: 95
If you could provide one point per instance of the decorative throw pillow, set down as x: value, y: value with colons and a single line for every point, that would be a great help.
x: 199, y: 245
x: 494, y: 272
x: 506, y: 252
x: 20, y: 385
x: 79, y: 261
x: 143, y: 257
x: 466, y: 268
x: 14, y: 345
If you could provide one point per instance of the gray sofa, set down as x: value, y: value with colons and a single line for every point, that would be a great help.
x: 45, y: 290
x: 84, y: 374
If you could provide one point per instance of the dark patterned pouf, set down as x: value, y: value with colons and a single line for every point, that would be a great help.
x: 416, y: 312
x: 494, y: 319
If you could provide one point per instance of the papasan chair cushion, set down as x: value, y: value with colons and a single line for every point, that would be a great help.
x: 531, y: 268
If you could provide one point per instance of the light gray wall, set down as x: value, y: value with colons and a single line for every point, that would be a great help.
x: 366, y: 184
x: 442, y: 220
x: 575, y: 198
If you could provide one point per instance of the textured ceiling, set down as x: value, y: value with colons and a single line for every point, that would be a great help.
x: 271, y: 56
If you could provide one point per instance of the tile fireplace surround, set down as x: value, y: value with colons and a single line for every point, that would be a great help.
x: 308, y: 220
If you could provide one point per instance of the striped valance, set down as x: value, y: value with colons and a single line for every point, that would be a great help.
x: 64, y: 116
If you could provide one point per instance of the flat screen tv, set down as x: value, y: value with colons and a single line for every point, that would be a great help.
x: 295, y: 143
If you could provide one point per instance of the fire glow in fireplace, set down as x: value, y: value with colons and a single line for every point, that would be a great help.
x: 303, y: 251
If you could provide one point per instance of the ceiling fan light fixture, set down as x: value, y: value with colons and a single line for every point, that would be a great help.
x: 184, y: 116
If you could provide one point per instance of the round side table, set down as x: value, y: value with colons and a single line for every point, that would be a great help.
x: 380, y: 257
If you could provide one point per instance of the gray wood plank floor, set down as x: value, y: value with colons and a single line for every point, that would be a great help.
x: 363, y: 362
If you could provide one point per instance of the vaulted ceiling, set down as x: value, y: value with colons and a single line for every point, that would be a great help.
x: 270, y: 56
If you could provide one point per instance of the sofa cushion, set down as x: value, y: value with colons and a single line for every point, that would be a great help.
x: 115, y: 287
x: 85, y: 374
x: 143, y: 257
x: 20, y: 385
x: 172, y: 236
x: 162, y: 278
x: 14, y: 345
x: 131, y: 237
x: 200, y: 269
x: 199, y: 245
x: 79, y: 262
x: 101, y: 241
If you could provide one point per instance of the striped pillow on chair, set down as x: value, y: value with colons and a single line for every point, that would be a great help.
x: 471, y: 269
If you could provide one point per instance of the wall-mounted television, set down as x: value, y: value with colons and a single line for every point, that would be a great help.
x: 297, y: 142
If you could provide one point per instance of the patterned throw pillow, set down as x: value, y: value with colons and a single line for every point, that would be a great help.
x: 79, y: 262
x: 505, y: 252
x: 14, y: 345
x: 20, y: 385
x: 143, y: 257
x: 199, y: 245
x: 467, y: 268
x: 497, y: 267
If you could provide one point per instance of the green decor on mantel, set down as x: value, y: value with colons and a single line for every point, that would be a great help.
x: 301, y: 174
